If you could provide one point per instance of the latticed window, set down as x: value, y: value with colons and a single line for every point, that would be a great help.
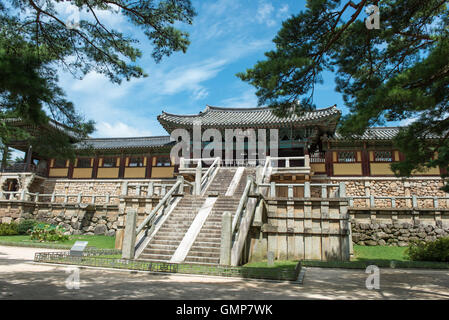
x: 109, y: 162
x: 163, y: 162
x: 83, y: 163
x: 317, y: 157
x: 346, y: 156
x: 59, y: 163
x: 135, y: 162
x: 383, y: 156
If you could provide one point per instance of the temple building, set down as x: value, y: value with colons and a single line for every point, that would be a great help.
x: 312, y: 133
x: 304, y: 192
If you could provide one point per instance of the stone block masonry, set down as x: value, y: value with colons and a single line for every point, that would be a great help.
x: 74, y: 218
x: 395, y: 234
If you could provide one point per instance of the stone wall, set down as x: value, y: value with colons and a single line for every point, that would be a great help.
x: 395, y: 234
x: 397, y: 227
x: 76, y: 219
x: 391, y: 187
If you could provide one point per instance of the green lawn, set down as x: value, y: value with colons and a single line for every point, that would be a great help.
x: 362, y: 253
x: 101, y: 242
x: 381, y: 256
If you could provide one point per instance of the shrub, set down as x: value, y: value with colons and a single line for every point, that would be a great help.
x: 10, y: 229
x: 46, y: 232
x: 430, y: 251
x: 26, y: 225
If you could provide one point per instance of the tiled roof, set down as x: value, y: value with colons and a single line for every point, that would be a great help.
x: 375, y: 133
x: 124, y: 143
x: 244, y: 117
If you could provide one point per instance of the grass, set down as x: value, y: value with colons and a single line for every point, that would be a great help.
x: 101, y: 242
x: 381, y: 256
x: 362, y: 253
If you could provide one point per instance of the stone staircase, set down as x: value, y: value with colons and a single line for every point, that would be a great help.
x: 206, y: 247
x: 169, y: 236
x: 221, y: 182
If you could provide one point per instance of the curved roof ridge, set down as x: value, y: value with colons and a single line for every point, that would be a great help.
x: 209, y: 107
x: 214, y: 108
x: 128, y: 138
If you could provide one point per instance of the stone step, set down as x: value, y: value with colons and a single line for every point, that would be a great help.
x: 158, y: 257
x: 162, y: 246
x: 207, y: 244
x: 159, y: 252
x: 202, y: 260
x: 204, y: 251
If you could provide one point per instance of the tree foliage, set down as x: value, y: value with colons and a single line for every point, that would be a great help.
x: 397, y: 72
x: 38, y: 38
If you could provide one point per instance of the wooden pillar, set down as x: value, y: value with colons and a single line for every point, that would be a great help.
x: 28, y: 157
x: 121, y: 170
x: 365, y: 161
x: 95, y: 167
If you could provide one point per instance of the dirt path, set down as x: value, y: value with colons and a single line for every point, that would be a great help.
x: 20, y: 278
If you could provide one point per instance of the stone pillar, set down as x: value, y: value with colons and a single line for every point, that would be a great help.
x: 198, y: 174
x: 129, y: 241
x: 226, y: 239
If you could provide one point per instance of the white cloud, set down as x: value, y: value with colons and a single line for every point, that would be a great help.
x: 264, y: 12
x: 247, y: 100
x: 119, y: 129
x: 283, y: 11
x: 189, y: 78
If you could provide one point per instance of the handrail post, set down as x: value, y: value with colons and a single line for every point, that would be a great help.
x: 129, y: 239
x: 435, y: 202
x: 290, y: 191
x: 273, y: 189
x: 36, y: 198
x: 226, y: 239
x: 22, y: 195
x: 393, y: 202
x: 307, y: 193
x: 323, y: 192
x: 181, y: 184
x: 372, y: 202
x: 108, y: 198
x: 414, y: 201
x: 79, y: 198
x: 53, y: 197
x: 181, y: 163
x: 198, y: 179
x: 138, y: 190
x: 150, y: 190
x: 287, y: 162
x: 306, y: 161
x: 342, y: 190
x: 124, y: 191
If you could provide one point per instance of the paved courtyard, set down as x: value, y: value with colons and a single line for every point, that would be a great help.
x: 20, y: 278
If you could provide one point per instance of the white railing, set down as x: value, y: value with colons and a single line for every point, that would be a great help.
x: 139, y: 190
x: 326, y: 190
x: 177, y: 187
x: 274, y: 162
x: 242, y: 221
x: 409, y: 201
x: 209, y: 175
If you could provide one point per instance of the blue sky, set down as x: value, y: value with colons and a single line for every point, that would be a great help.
x: 227, y: 36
